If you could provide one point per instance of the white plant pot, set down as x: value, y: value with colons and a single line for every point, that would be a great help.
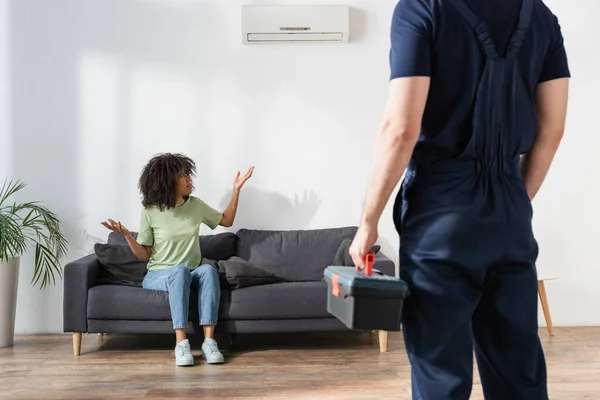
x: 9, y: 283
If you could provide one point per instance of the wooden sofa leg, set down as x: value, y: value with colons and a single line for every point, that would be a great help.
x: 77, y: 343
x: 383, y: 337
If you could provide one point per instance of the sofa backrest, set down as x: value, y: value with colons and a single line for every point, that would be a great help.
x: 220, y: 246
x: 299, y: 255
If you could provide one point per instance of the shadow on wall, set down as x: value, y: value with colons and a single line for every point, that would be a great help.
x: 259, y: 209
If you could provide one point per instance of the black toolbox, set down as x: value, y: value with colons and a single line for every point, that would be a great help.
x: 364, y: 300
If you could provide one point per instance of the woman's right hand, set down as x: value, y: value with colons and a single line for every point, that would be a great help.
x: 116, y: 227
x: 141, y: 252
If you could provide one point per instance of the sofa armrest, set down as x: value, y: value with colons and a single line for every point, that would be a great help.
x: 79, y: 276
x: 384, y: 264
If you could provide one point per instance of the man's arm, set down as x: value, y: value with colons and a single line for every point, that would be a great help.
x: 551, y: 98
x: 396, y: 140
x: 410, y: 71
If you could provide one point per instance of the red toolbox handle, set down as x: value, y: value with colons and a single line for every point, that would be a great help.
x: 369, y: 261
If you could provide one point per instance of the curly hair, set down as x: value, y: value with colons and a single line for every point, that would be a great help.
x: 158, y: 182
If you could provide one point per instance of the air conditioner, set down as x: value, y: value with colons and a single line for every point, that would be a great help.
x: 285, y: 24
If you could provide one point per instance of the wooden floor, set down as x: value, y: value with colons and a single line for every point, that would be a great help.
x: 307, y: 366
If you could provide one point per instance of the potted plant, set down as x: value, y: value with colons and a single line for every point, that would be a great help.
x: 25, y: 227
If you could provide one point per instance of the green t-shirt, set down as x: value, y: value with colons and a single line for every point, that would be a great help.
x: 174, y: 233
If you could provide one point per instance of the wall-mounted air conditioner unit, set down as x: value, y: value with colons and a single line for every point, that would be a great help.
x: 285, y: 24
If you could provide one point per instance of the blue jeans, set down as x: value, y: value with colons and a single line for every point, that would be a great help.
x: 177, y: 281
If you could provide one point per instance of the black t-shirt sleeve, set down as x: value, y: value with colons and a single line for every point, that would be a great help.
x: 411, y: 39
x: 555, y: 65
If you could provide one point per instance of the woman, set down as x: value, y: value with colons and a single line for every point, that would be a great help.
x: 169, y: 240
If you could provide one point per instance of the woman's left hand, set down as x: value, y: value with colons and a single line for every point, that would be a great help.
x: 240, y: 180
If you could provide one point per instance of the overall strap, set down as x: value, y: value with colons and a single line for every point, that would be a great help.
x: 516, y: 42
x: 483, y: 37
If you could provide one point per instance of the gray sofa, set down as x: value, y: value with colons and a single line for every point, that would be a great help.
x: 298, y: 305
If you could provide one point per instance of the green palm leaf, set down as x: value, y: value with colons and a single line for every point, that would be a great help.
x: 31, y: 225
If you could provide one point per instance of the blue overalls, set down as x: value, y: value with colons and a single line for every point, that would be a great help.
x: 467, y: 248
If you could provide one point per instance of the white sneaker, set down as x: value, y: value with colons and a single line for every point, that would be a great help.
x: 183, y: 354
x: 211, y: 352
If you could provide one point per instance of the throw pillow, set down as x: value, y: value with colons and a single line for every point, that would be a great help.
x: 222, y: 280
x: 119, y: 266
x: 342, y: 257
x: 240, y: 273
x: 208, y: 261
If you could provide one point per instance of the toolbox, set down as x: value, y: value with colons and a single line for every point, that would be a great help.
x: 364, y: 299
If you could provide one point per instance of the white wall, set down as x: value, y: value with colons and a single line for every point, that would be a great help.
x: 100, y: 86
x: 5, y: 137
x: 566, y: 209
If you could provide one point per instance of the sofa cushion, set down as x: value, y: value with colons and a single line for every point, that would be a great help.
x: 289, y: 300
x: 119, y: 266
x: 220, y: 246
x: 239, y: 273
x: 300, y: 255
x: 133, y: 303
